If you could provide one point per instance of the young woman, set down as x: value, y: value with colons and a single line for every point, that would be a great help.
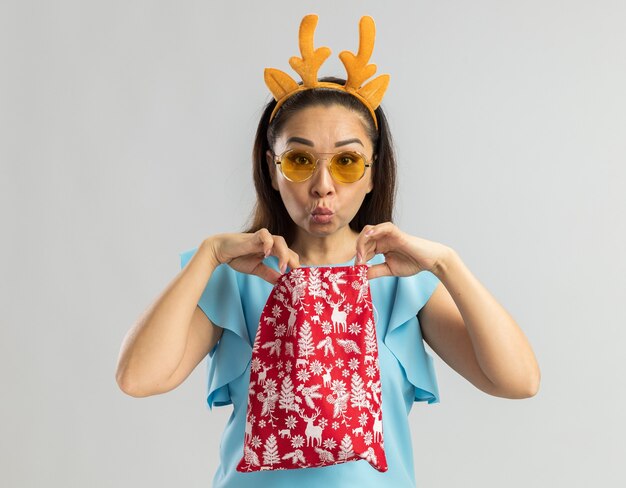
x: 313, y: 211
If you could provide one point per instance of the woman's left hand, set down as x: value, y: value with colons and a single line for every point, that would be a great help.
x: 405, y: 255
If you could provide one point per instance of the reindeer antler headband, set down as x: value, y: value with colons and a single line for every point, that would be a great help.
x: 283, y: 86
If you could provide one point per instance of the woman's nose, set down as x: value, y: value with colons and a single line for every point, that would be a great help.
x: 322, y: 181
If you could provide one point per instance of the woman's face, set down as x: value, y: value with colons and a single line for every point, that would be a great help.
x: 319, y: 130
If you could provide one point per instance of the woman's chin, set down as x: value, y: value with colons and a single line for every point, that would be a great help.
x: 319, y: 230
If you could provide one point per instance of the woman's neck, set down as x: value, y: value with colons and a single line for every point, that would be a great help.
x: 327, y: 250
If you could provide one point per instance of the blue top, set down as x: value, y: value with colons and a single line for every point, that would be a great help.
x: 235, y: 301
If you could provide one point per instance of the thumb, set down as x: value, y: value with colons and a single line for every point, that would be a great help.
x: 268, y: 274
x: 378, y: 270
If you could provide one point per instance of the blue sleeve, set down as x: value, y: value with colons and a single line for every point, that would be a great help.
x: 404, y: 335
x: 221, y: 303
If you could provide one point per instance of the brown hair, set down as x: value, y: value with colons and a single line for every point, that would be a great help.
x: 269, y: 211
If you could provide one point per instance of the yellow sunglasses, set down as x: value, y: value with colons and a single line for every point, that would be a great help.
x: 298, y: 165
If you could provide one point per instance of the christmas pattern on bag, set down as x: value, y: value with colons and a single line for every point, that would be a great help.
x: 314, y: 397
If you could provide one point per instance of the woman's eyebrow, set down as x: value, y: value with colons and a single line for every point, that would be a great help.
x: 348, y: 141
x: 302, y: 140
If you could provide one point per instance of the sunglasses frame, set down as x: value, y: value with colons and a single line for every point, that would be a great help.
x: 279, y: 157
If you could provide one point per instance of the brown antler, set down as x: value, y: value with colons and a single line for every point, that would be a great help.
x: 358, y: 68
x: 309, y: 64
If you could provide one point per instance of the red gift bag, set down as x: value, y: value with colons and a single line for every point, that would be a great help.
x: 314, y: 397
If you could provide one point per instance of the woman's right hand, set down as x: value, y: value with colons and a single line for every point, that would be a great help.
x: 245, y: 252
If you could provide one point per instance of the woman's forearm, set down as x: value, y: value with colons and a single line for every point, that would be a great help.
x: 501, y: 348
x: 155, y: 345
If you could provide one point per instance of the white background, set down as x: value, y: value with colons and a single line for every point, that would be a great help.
x: 126, y: 131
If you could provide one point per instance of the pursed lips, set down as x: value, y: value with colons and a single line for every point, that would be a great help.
x: 322, y: 211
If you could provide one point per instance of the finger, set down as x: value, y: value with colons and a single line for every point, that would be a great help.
x: 295, y: 259
x: 371, y: 235
x: 384, y: 228
x: 378, y: 270
x: 268, y: 274
x: 283, y: 253
x: 286, y: 257
x: 366, y: 248
x: 266, y: 240
x: 360, y: 243
x: 369, y: 253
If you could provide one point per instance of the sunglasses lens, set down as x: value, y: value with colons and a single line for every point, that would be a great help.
x: 297, y: 165
x: 347, y: 167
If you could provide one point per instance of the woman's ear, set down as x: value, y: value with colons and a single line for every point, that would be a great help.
x: 269, y: 157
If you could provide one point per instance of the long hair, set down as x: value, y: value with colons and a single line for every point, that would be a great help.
x: 269, y: 211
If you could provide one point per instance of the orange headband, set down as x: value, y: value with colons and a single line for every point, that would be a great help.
x: 283, y: 86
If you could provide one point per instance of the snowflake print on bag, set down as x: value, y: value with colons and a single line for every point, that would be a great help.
x: 314, y: 397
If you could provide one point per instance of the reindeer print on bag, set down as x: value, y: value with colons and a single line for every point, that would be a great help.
x: 314, y: 397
